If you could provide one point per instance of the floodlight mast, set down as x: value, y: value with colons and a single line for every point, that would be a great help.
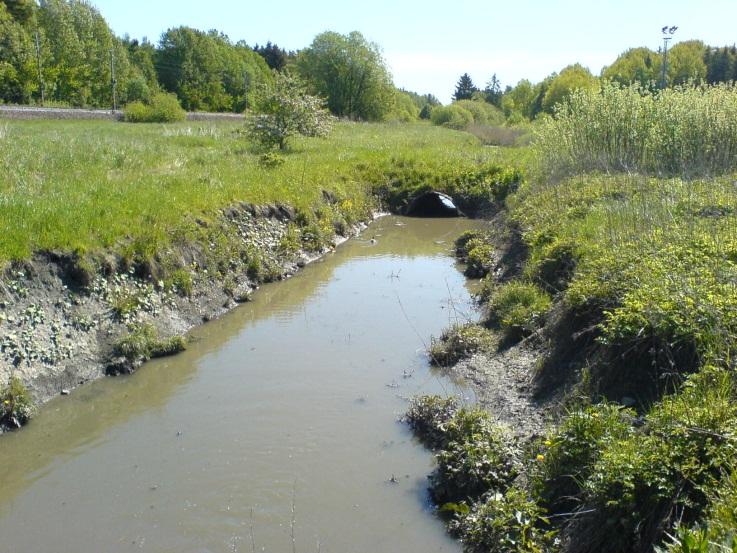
x: 668, y: 32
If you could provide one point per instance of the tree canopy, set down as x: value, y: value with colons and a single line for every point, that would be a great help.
x: 207, y: 72
x: 350, y: 72
x: 464, y: 88
x: 571, y: 78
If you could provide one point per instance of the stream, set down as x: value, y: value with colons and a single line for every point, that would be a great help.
x: 277, y: 430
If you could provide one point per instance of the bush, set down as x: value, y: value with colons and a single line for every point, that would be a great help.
x: 483, y: 112
x: 518, y: 308
x: 163, y: 108
x: 136, y: 112
x: 569, y: 454
x: 453, y: 117
x: 16, y: 406
x: 641, y: 485
x: 459, y: 342
x: 505, y: 523
x: 478, y: 457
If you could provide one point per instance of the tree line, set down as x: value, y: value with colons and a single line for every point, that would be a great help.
x: 688, y: 62
x: 63, y: 52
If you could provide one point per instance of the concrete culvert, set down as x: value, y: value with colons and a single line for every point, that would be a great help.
x: 433, y: 204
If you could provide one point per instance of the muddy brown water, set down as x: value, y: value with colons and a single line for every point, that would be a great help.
x: 278, y: 422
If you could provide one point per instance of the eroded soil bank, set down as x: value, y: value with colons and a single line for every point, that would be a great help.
x: 63, y: 324
x: 290, y: 400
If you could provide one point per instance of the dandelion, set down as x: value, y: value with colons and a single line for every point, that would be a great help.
x: 548, y: 443
x: 540, y: 457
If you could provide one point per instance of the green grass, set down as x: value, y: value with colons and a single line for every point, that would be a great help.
x: 92, y: 185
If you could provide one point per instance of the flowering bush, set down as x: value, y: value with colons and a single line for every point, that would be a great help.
x: 284, y: 110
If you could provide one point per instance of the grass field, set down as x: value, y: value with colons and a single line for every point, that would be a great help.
x: 89, y: 185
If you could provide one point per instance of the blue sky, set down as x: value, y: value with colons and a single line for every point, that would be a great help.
x: 427, y: 44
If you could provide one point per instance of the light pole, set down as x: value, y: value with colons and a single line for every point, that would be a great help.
x: 668, y: 33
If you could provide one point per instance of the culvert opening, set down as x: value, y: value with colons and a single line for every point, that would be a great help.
x: 433, y: 204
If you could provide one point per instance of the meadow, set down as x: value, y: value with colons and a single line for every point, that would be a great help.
x: 90, y: 185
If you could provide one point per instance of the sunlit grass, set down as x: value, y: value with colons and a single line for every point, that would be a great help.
x: 87, y: 185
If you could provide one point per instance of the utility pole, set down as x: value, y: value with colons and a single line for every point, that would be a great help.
x: 668, y: 33
x: 40, y: 70
x: 246, y: 86
x: 113, y: 82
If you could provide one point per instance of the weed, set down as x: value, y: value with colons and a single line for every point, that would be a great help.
x: 16, y: 406
x: 142, y: 342
x: 459, y: 342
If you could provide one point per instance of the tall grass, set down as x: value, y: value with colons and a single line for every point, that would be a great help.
x: 685, y: 131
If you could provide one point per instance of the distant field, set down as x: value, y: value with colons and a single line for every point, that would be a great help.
x: 88, y: 185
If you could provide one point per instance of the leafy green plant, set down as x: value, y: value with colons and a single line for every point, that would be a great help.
x: 640, y: 484
x: 568, y: 455
x: 506, y: 522
x: 479, y: 456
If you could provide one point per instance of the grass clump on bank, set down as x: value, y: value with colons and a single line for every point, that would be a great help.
x: 143, y: 343
x: 16, y: 405
x: 518, y: 308
x: 459, y: 342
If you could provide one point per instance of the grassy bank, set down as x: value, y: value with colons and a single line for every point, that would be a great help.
x: 85, y: 186
x: 629, y: 284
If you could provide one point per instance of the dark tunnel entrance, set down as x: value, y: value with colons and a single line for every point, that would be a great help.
x: 433, y: 204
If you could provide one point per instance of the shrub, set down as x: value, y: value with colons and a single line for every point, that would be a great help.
x: 459, y: 342
x: 483, y: 112
x: 569, y: 454
x: 163, y: 108
x: 642, y: 484
x: 453, y: 117
x: 518, y: 308
x: 136, y: 112
x: 506, y: 522
x: 478, y: 457
x: 16, y: 406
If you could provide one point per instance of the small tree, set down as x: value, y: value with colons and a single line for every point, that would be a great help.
x: 284, y: 109
x: 464, y: 88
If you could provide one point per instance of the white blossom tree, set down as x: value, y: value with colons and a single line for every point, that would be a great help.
x: 283, y: 110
